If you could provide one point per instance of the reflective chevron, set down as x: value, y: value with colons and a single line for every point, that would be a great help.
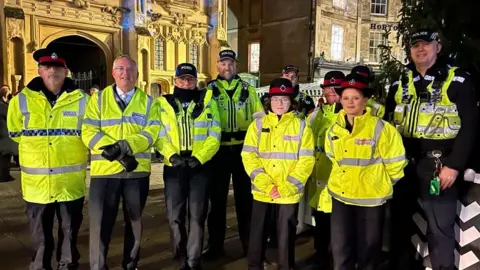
x: 466, y: 237
x: 466, y: 213
x: 461, y: 262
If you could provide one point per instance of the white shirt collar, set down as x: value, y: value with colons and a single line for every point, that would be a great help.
x: 121, y: 93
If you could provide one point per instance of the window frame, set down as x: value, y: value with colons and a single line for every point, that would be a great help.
x: 378, y: 38
x: 250, y: 56
x: 194, y: 61
x: 161, y: 56
x: 334, y: 43
x: 378, y: 4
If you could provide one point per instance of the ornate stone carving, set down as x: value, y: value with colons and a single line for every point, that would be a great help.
x: 143, y: 43
x: 221, y: 35
x: 49, y: 1
x: 176, y: 35
x: 198, y: 38
x: 113, y: 10
x: 187, y: 7
x: 179, y: 19
x: 14, y: 28
x: 154, y: 16
x: 81, y: 3
x: 154, y: 29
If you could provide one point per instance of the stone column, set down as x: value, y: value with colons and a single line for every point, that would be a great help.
x: 218, y: 35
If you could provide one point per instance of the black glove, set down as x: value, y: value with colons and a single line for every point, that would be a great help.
x: 193, y: 162
x: 111, y: 152
x: 129, y: 163
x: 177, y: 161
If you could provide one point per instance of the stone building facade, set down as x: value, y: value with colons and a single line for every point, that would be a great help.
x: 317, y: 36
x: 158, y: 34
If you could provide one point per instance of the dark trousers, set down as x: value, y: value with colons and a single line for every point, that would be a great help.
x: 356, y: 236
x: 227, y: 164
x: 322, y: 238
x: 186, y: 187
x: 41, y: 218
x: 286, y: 233
x: 104, y: 199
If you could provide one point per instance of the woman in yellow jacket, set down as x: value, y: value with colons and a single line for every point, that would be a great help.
x: 278, y: 156
x: 367, y: 157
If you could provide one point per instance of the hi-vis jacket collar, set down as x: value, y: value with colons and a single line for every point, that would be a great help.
x: 37, y: 85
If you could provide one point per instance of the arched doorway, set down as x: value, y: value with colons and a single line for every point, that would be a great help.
x: 85, y: 59
x: 159, y: 88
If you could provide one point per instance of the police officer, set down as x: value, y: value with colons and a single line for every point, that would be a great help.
x: 120, y: 126
x: 434, y: 108
x: 237, y: 102
x: 376, y: 107
x: 45, y: 119
x: 320, y: 121
x: 304, y: 101
x: 190, y: 137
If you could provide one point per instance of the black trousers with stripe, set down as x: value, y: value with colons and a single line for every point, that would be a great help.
x: 41, y: 219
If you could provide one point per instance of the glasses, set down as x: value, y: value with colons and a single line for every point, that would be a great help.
x: 187, y: 79
x: 127, y: 69
x: 280, y: 99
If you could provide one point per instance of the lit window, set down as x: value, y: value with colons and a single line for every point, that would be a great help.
x: 159, y: 54
x: 379, y: 7
x: 376, y: 38
x: 336, y: 49
x: 254, y: 57
x: 339, y: 3
x: 194, y: 55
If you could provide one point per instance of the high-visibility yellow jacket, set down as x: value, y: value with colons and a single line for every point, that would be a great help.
x: 182, y: 132
x: 320, y: 120
x: 236, y: 113
x: 365, y: 163
x: 105, y: 123
x: 434, y: 118
x: 53, y: 158
x: 278, y: 153
x: 377, y: 109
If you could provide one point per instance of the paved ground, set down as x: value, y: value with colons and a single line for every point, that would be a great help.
x: 15, y: 240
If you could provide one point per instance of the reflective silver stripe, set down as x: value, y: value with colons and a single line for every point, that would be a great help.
x: 278, y: 155
x: 313, y: 116
x: 302, y: 127
x: 433, y: 108
x: 81, y: 111
x: 92, y: 122
x: 256, y: 172
x: 57, y: 170
x: 143, y: 155
x: 202, y: 137
x: 307, y: 153
x: 438, y: 130
x: 296, y: 183
x: 331, y: 143
x: 249, y: 149
x: 359, y: 161
x: 149, y: 106
x: 154, y: 123
x: 259, y: 114
x: 22, y: 102
x: 377, y: 201
x: 330, y: 156
x: 96, y: 138
x: 166, y: 127
x: 162, y: 133
x: 216, y: 123
x: 110, y: 122
x: 395, y: 180
x: 134, y: 120
x: 258, y: 123
x: 99, y: 101
x: 376, y: 135
x: 394, y: 159
x: 214, y: 134
x: 148, y: 136
x: 201, y: 124
x: 256, y: 189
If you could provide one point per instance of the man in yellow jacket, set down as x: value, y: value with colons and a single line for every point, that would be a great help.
x: 45, y: 119
x: 320, y: 121
x: 120, y: 126
x: 189, y: 138
x: 237, y: 102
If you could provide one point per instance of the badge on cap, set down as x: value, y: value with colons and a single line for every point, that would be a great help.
x: 54, y: 56
x: 283, y: 88
x: 434, y: 36
x: 332, y: 80
x: 352, y: 82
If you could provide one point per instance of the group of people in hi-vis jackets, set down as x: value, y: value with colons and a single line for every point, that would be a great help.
x: 342, y: 154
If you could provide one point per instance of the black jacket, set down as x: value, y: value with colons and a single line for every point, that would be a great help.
x: 462, y: 93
